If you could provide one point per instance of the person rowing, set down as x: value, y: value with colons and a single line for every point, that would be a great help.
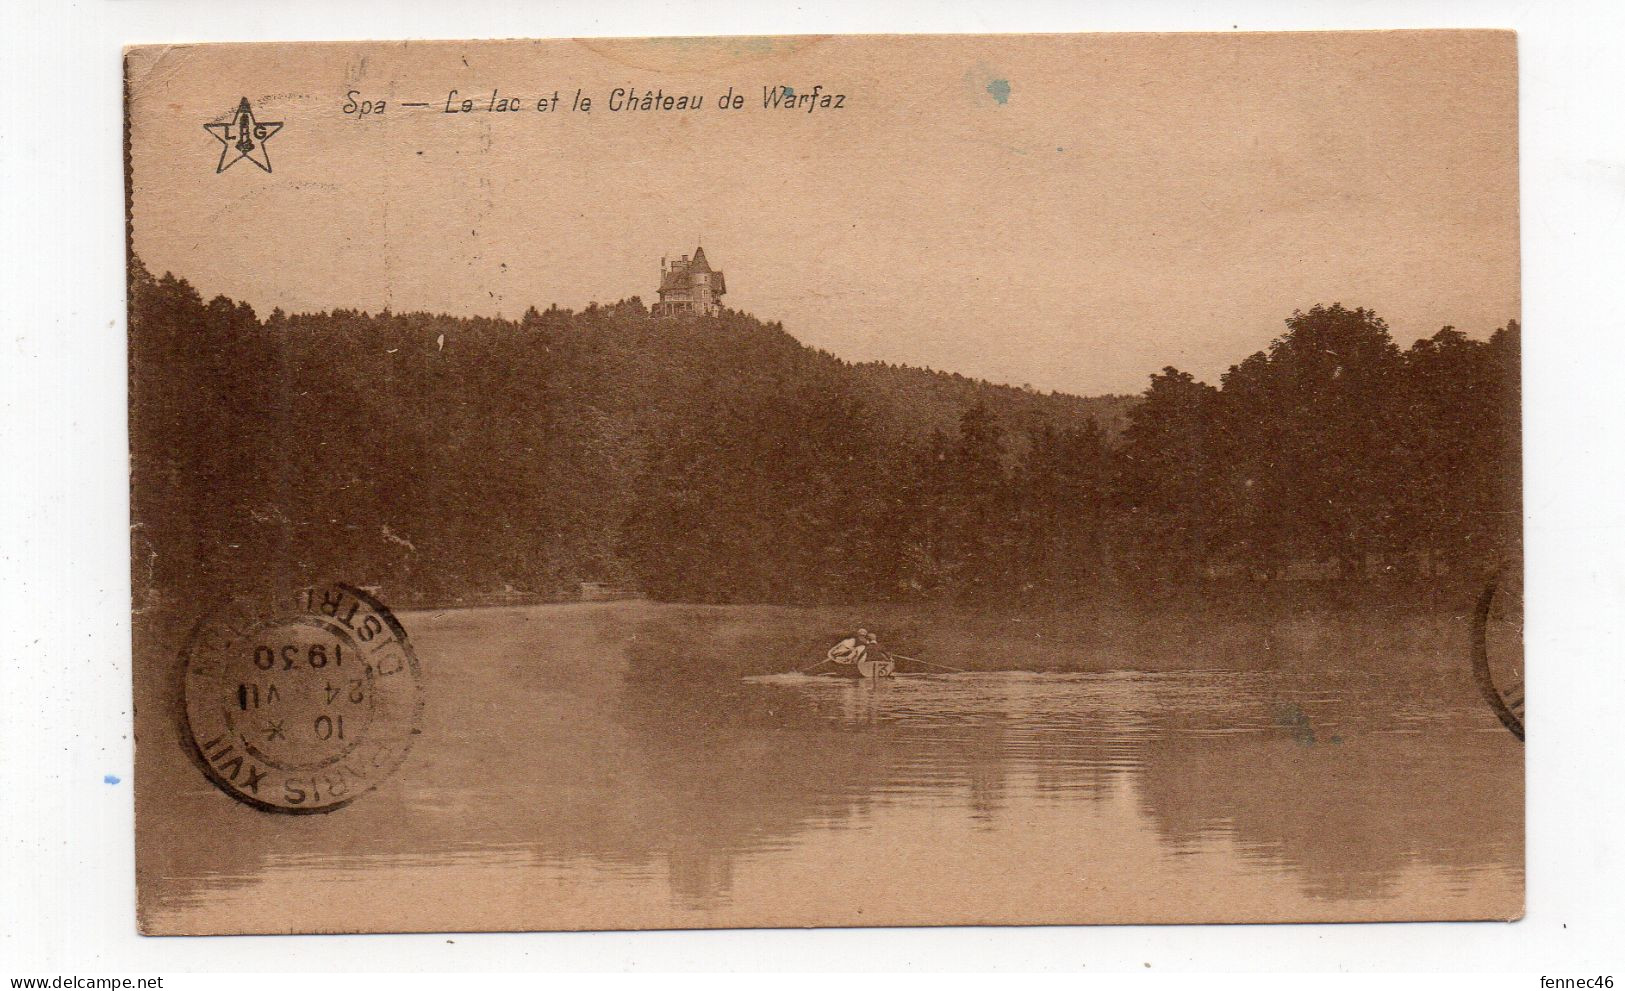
x: 854, y: 648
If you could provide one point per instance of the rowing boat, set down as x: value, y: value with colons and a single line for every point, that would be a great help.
x: 878, y: 665
x: 865, y: 667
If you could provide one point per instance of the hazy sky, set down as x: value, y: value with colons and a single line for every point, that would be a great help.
x: 1132, y: 201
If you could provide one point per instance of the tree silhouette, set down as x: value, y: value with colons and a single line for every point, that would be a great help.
x: 449, y: 459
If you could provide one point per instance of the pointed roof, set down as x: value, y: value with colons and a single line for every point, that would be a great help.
x: 699, y: 263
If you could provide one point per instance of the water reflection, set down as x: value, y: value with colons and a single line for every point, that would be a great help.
x: 596, y: 766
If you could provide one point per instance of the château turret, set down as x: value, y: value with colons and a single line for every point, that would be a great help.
x: 689, y: 287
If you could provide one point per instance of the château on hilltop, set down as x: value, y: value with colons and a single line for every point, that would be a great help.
x: 689, y: 287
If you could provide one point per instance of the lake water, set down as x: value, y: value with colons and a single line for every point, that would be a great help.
x: 618, y: 765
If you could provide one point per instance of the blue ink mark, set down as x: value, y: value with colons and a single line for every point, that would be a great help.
x: 111, y: 779
x: 999, y: 89
x: 788, y: 92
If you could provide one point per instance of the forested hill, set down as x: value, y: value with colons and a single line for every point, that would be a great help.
x: 445, y: 459
x: 437, y: 456
x: 917, y: 401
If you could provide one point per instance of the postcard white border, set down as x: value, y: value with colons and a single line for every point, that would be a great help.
x: 68, y: 902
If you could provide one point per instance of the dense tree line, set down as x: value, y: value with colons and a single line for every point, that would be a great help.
x: 1332, y: 452
x: 442, y: 458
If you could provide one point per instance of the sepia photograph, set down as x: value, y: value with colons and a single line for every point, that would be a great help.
x: 808, y: 481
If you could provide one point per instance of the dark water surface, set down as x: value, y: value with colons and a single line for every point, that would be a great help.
x: 617, y: 765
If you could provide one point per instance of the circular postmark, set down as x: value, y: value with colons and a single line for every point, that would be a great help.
x: 1498, y: 647
x: 301, y: 705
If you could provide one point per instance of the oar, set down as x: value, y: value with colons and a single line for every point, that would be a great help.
x: 929, y: 664
x: 813, y: 667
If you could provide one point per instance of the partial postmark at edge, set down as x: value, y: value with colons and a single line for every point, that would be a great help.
x: 1504, y: 698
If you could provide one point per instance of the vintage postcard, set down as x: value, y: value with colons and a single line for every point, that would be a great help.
x: 825, y: 481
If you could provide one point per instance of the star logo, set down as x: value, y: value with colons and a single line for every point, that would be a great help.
x: 243, y: 137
